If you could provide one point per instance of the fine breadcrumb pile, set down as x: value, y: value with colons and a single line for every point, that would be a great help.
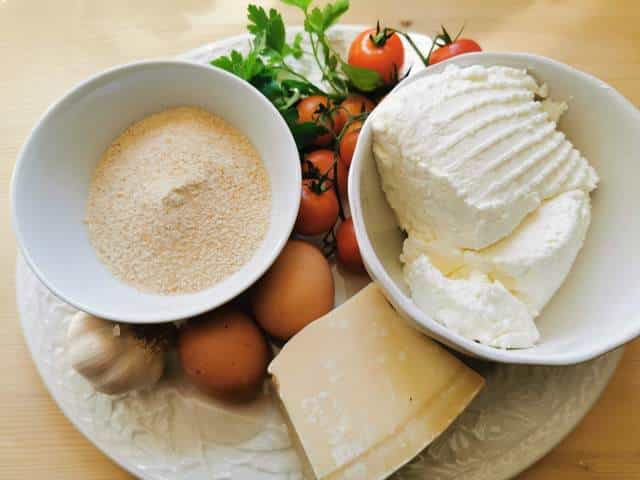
x: 179, y: 201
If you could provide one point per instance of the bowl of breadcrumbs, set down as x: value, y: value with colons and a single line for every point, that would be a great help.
x: 155, y: 191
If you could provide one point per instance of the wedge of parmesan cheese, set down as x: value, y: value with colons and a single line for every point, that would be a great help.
x: 364, y: 392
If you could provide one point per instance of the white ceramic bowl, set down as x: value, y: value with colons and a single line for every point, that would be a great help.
x: 598, y: 307
x: 52, y: 174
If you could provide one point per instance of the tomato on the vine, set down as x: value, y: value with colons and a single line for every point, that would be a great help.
x: 380, y: 50
x: 458, y: 47
x: 348, y: 252
x: 318, y: 208
x: 348, y: 142
x: 323, y: 161
x: 350, y: 107
x: 317, y: 109
x: 450, y: 47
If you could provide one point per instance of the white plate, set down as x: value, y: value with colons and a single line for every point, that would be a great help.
x: 172, y: 432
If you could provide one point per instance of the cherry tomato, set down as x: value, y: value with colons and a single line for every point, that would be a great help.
x: 318, y: 211
x: 457, y: 47
x: 351, y: 106
x: 379, y: 51
x: 348, y: 251
x: 308, y: 111
x: 348, y: 142
x: 323, y: 160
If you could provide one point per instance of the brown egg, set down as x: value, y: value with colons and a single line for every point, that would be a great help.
x: 297, y: 289
x: 225, y: 354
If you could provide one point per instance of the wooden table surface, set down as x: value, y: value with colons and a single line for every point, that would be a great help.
x: 47, y: 47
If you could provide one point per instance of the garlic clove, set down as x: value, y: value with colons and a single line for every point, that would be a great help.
x: 111, y: 357
x: 91, y: 351
x: 140, y: 368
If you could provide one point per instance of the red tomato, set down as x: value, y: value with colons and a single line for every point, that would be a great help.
x: 308, y: 111
x: 323, y: 160
x: 318, y: 211
x: 348, y: 142
x: 351, y: 106
x: 457, y: 47
x: 386, y: 57
x: 348, y: 251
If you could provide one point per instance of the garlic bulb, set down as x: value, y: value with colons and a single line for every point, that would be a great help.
x: 110, y: 356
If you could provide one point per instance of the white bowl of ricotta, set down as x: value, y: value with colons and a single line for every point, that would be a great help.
x: 54, y: 171
x: 582, y: 308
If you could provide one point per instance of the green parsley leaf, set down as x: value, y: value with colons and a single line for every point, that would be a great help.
x: 224, y: 62
x: 362, y: 78
x: 268, y: 86
x: 270, y: 26
x: 276, y: 37
x: 333, y: 11
x: 258, y: 19
x: 302, y: 4
x: 294, y: 49
x: 319, y: 20
x: 252, y: 65
x: 313, y: 21
x: 243, y: 67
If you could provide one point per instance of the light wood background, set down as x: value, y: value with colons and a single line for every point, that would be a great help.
x: 48, y: 46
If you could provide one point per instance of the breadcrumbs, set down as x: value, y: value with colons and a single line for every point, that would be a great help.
x: 179, y: 201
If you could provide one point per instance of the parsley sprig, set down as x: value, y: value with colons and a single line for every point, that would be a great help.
x: 267, y: 63
x: 341, y: 76
x: 266, y: 66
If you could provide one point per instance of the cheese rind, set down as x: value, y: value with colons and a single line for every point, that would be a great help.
x: 365, y: 392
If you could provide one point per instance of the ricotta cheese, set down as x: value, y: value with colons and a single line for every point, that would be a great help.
x: 494, y: 200
x: 535, y: 260
x: 532, y: 262
x: 475, y: 307
x: 466, y: 154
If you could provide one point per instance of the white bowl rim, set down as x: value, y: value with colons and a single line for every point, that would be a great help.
x: 422, y: 319
x: 197, y: 308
